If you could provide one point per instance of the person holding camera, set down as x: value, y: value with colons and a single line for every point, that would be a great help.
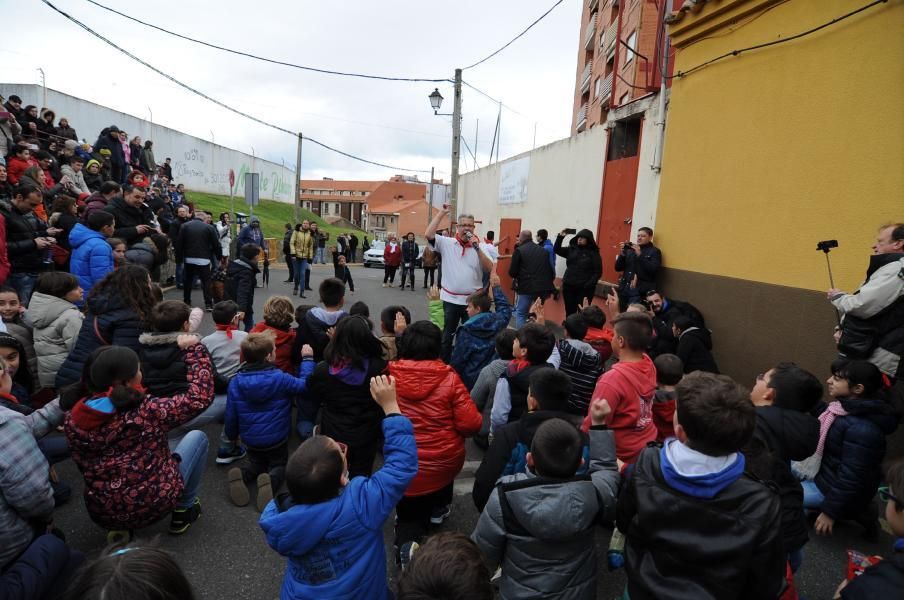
x: 583, y: 268
x: 639, y: 265
x: 531, y: 268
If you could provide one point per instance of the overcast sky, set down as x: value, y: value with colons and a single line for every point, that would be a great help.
x: 389, y: 122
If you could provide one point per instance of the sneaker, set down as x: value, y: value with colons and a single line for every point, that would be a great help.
x: 238, y: 491
x: 182, y: 518
x: 440, y: 514
x: 227, y: 456
x: 119, y: 537
x: 405, y: 553
x: 384, y: 285
x: 264, y: 491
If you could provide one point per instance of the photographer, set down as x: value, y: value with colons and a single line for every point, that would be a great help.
x: 583, y: 268
x: 872, y: 325
x: 639, y: 264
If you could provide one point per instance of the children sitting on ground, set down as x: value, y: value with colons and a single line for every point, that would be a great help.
x: 225, y: 344
x: 447, y: 565
x: 432, y: 395
x: 319, y: 320
x: 785, y: 431
x: 330, y: 526
x: 531, y: 350
x: 581, y: 362
x: 524, y: 528
x: 360, y: 308
x: 12, y: 311
x: 163, y: 367
x: 241, y: 279
x: 841, y: 477
x: 118, y: 437
x: 696, y: 526
x: 56, y: 319
x: 695, y: 345
x: 669, y: 372
x: 259, y: 409
x: 393, y: 321
x: 629, y: 386
x: 339, y: 387
x: 342, y: 272
x: 547, y: 398
x: 279, y: 312
x: 475, y: 339
x: 133, y: 571
x: 13, y: 354
x: 598, y: 335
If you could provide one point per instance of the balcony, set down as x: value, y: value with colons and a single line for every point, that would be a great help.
x: 585, y: 79
x: 582, y: 118
x: 594, y: 4
x: 607, y: 42
x: 590, y: 34
x: 606, y: 91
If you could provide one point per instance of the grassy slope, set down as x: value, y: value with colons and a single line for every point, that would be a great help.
x: 273, y: 215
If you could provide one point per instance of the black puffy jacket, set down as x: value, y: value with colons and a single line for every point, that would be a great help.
x: 197, y: 239
x: 687, y: 548
x: 665, y: 341
x: 583, y: 265
x: 128, y: 218
x: 348, y: 413
x: 163, y: 369
x: 786, y: 435
x: 21, y: 231
x: 109, y: 321
x: 694, y: 350
x: 530, y: 266
x: 241, y: 278
x: 852, y: 456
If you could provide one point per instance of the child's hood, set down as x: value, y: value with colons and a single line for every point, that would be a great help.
x: 44, y: 309
x: 482, y: 325
x: 160, y: 350
x: 325, y: 317
x: 93, y: 413
x: 295, y: 530
x: 554, y: 511
x: 702, y: 479
x: 878, y: 411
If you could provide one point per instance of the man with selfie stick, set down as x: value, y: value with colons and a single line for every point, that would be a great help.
x: 464, y: 262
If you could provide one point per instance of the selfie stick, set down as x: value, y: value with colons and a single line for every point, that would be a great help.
x: 826, y: 249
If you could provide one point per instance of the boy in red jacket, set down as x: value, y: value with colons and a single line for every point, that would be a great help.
x: 629, y: 387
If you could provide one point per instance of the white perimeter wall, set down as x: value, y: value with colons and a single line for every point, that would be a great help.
x: 199, y: 164
x: 564, y: 188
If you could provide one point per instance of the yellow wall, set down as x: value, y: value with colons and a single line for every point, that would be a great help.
x: 769, y: 152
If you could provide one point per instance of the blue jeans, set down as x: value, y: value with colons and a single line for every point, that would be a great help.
x: 522, y: 308
x: 42, y: 571
x: 179, y: 268
x: 213, y: 413
x: 24, y: 284
x: 320, y: 256
x: 813, y: 498
x: 301, y: 267
x: 193, y: 450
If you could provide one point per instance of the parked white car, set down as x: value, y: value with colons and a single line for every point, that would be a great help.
x: 374, y: 256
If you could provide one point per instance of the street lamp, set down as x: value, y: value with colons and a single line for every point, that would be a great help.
x: 436, y: 101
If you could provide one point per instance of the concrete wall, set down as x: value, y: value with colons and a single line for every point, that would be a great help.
x: 563, y: 188
x: 200, y: 165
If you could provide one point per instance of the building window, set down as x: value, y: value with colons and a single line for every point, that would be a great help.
x: 596, y: 88
x: 624, y: 139
x: 307, y: 205
x: 632, y: 44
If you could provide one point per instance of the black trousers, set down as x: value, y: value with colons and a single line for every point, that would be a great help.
x: 189, y: 271
x: 413, y: 514
x: 290, y: 262
x: 453, y: 314
x: 389, y: 274
x: 409, y: 273
x: 575, y: 295
x: 431, y: 272
x: 267, y: 460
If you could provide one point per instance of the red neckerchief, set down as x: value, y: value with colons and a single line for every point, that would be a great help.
x: 464, y: 244
x: 227, y: 328
x: 516, y: 365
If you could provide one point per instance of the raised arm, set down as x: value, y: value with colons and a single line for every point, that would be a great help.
x: 430, y: 234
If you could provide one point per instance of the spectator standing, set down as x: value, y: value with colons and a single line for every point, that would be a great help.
x: 241, y: 277
x: 410, y: 251
x: 147, y: 163
x: 28, y: 241
x: 168, y: 168
x: 109, y: 140
x: 92, y: 256
x: 429, y: 260
x: 9, y: 129
x: 392, y: 258
x: 543, y: 242
x: 46, y: 129
x: 64, y: 130
x: 302, y: 243
x: 182, y: 216
x: 639, y: 265
x: 531, y: 268
x: 320, y: 238
x: 14, y: 106
x: 583, y: 268
x: 135, y: 150
x: 464, y: 262
x: 353, y: 247
x: 196, y: 246
x: 224, y: 234
x: 288, y: 253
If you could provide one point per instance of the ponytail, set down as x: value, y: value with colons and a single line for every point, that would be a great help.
x: 125, y: 397
x: 106, y: 371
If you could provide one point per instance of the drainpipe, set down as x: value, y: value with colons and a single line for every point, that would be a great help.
x: 663, y: 63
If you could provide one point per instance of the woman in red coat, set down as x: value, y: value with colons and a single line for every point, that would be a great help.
x: 392, y: 258
x: 432, y: 395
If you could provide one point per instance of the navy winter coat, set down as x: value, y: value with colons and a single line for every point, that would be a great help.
x: 852, y: 456
x: 92, y: 256
x: 475, y: 340
x: 259, y: 403
x: 118, y: 325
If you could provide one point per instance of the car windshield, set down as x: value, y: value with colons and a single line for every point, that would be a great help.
x: 377, y: 245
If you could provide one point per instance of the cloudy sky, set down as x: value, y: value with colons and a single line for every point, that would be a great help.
x: 389, y: 122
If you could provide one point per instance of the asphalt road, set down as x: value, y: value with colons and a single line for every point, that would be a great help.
x: 224, y: 553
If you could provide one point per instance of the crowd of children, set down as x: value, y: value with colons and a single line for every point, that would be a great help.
x: 707, y: 486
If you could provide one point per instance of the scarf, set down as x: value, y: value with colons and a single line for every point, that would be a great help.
x: 464, y: 243
x: 516, y: 365
x: 227, y: 328
x: 809, y: 467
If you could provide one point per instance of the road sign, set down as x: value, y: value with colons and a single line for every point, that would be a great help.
x: 231, y: 179
x: 252, y: 189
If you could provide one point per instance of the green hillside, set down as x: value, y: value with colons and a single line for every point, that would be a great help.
x: 273, y: 215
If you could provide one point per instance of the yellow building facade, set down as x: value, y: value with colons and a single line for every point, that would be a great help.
x: 768, y: 152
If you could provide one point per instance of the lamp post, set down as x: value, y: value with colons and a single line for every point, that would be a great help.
x: 436, y: 101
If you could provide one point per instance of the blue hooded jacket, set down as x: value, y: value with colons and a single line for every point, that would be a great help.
x: 92, y: 256
x: 475, y: 340
x: 259, y: 403
x: 335, y: 548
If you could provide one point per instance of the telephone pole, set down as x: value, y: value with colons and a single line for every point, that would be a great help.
x: 297, y: 202
x: 456, y: 149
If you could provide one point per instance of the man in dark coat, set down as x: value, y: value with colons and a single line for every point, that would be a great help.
x: 109, y: 140
x: 197, y: 244
x: 241, y: 278
x: 353, y: 247
x: 583, y: 268
x: 531, y: 268
x: 665, y: 311
x: 134, y: 220
x: 28, y: 240
x: 639, y: 265
x: 288, y: 254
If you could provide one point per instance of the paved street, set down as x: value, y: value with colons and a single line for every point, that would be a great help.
x: 224, y: 553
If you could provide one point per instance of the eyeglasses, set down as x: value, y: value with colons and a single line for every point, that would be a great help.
x: 886, y: 496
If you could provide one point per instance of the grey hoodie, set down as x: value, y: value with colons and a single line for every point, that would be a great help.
x: 56, y: 323
x: 552, y: 556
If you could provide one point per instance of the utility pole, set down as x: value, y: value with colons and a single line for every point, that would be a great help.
x: 430, y: 200
x: 456, y: 148
x: 297, y: 201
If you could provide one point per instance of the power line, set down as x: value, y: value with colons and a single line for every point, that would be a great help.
x: 262, y: 58
x: 222, y: 104
x: 486, y: 95
x: 514, y: 39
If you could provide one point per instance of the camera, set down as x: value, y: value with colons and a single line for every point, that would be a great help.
x: 627, y: 246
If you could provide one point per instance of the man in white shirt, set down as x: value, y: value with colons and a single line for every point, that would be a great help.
x: 464, y: 262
